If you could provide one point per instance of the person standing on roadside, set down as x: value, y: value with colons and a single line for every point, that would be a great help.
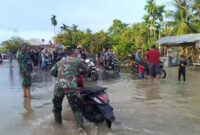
x: 104, y: 54
x: 25, y: 64
x: 36, y: 56
x: 146, y: 64
x: 10, y: 57
x: 153, y: 57
x: 181, y: 71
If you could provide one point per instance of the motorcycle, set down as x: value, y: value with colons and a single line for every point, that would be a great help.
x: 91, y: 70
x: 49, y: 63
x: 112, y: 65
x: 163, y: 73
x: 91, y: 104
x: 135, y: 69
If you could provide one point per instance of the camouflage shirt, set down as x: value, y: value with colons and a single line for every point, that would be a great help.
x: 66, y: 71
x: 25, y: 62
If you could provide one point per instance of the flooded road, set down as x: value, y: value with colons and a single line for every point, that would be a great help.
x: 141, y: 107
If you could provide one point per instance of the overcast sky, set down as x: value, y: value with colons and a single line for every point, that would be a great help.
x: 31, y: 18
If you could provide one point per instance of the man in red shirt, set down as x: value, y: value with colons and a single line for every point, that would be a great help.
x: 153, y: 57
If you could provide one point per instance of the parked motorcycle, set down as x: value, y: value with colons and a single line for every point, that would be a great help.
x: 91, y: 70
x: 91, y: 104
x: 163, y: 73
x: 112, y: 65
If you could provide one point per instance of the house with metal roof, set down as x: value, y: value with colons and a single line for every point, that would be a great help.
x: 182, y: 40
x: 173, y: 46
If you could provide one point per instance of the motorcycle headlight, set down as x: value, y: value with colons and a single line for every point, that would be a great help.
x: 87, y: 61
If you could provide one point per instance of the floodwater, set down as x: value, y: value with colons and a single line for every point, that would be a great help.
x: 141, y: 107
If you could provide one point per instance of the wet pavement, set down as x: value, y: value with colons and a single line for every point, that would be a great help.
x: 141, y: 107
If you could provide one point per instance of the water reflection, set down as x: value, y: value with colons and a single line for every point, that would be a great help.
x: 107, y: 76
x: 11, y: 76
x: 28, y: 114
x: 147, y: 90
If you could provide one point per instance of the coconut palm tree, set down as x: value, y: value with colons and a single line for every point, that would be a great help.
x: 74, y: 28
x: 153, y: 19
x: 196, y: 18
x: 64, y: 27
x: 181, y: 18
x: 54, y: 22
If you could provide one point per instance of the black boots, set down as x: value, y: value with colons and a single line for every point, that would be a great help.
x: 57, y: 109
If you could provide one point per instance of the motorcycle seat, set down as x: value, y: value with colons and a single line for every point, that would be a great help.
x: 92, y: 90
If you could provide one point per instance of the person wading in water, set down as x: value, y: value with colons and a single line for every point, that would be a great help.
x: 25, y: 66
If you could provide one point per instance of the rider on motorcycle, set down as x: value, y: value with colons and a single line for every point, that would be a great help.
x: 138, y: 56
x: 66, y: 72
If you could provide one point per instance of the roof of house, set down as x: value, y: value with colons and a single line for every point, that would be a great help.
x: 37, y: 42
x: 176, y: 40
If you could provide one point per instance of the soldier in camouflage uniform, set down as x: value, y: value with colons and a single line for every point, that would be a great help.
x: 66, y: 72
x: 25, y: 67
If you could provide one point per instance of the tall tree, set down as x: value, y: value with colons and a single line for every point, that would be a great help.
x: 153, y: 19
x: 12, y: 44
x: 181, y: 17
x: 74, y: 27
x: 196, y: 18
x: 115, y: 30
x: 64, y: 27
x: 54, y: 22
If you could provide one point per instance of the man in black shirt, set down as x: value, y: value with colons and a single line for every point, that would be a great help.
x: 181, y: 70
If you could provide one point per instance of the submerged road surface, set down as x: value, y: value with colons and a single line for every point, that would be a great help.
x: 140, y: 106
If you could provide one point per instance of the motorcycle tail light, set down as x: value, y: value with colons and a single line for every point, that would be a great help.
x: 104, y: 97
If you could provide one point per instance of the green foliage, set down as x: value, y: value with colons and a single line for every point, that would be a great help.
x: 100, y: 40
x: 12, y: 45
x: 185, y: 17
x: 125, y: 38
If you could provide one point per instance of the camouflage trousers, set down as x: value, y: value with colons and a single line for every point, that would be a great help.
x: 59, y: 94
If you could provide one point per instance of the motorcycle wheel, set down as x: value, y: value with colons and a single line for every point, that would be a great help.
x: 163, y: 73
x: 108, y: 123
x: 94, y: 75
x: 116, y: 69
x: 79, y: 118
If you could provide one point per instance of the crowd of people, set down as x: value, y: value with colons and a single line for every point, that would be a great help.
x: 41, y: 57
x: 148, y: 62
